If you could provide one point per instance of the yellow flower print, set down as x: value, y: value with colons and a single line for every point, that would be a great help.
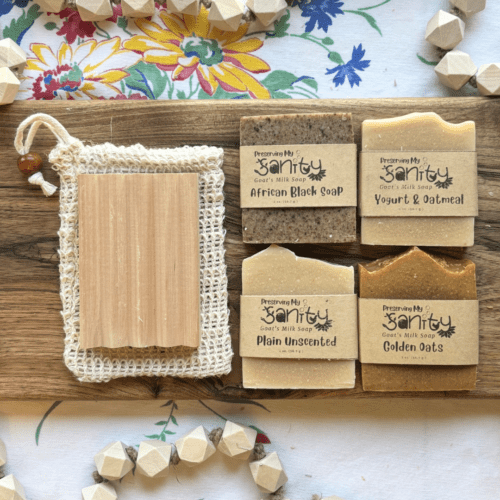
x: 189, y: 44
x: 86, y: 72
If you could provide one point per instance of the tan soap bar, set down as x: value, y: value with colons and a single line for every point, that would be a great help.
x: 416, y: 274
x: 417, y: 132
x: 279, y: 271
x: 307, y: 224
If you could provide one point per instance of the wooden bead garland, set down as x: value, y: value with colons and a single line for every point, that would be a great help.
x: 10, y: 487
x: 227, y: 15
x: 445, y: 31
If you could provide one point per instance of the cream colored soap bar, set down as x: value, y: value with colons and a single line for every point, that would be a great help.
x: 417, y: 132
x: 278, y: 271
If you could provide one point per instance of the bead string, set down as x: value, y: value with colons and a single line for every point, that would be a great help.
x: 234, y: 437
x: 456, y: 69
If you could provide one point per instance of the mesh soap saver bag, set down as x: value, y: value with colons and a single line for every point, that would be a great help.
x: 70, y: 158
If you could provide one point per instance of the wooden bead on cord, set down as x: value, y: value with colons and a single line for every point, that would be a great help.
x: 154, y: 458
x: 195, y: 447
x: 138, y: 8
x: 189, y: 7
x: 237, y: 440
x: 94, y: 10
x: 469, y: 7
x: 29, y: 163
x: 268, y: 473
x: 12, y: 56
x: 455, y: 69
x: 51, y: 5
x: 113, y: 461
x: 445, y: 30
x: 488, y: 79
x: 3, y: 454
x: 9, y: 85
x: 267, y: 11
x: 101, y: 491
x: 11, y: 489
x: 226, y: 14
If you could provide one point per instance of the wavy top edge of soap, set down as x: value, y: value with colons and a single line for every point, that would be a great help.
x: 417, y: 132
x: 442, y: 264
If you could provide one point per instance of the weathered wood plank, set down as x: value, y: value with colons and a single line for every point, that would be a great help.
x: 31, y: 332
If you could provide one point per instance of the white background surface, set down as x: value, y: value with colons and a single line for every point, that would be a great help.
x: 359, y: 449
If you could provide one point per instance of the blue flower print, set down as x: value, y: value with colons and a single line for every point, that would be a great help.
x: 349, y: 69
x: 319, y: 11
x: 7, y: 5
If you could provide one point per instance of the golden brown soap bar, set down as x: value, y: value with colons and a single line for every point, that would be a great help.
x: 307, y: 224
x: 278, y: 271
x: 417, y: 132
x: 416, y: 274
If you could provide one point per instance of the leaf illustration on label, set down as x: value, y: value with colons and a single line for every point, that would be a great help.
x: 324, y: 327
x: 447, y: 333
x: 319, y: 176
x: 444, y: 185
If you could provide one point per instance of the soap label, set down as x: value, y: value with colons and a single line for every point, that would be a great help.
x: 304, y: 175
x: 418, y: 184
x: 419, y: 332
x: 299, y: 326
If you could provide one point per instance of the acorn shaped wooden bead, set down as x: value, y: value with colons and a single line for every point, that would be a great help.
x: 30, y: 163
x: 11, y: 489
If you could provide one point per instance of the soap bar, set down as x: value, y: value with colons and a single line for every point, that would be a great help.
x: 306, y: 224
x: 415, y: 274
x: 417, y: 132
x: 278, y: 271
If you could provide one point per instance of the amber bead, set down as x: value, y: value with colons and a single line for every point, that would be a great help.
x: 30, y: 163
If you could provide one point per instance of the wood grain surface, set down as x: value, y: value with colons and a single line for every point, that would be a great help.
x: 31, y: 329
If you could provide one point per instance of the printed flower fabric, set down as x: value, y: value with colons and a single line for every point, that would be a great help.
x: 173, y: 56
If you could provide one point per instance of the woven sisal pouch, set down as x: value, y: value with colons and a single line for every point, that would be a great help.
x: 71, y: 157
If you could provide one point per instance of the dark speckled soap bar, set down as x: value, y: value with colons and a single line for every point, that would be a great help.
x: 298, y: 225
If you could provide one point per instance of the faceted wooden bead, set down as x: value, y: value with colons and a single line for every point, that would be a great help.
x: 237, y: 440
x: 12, y: 56
x: 101, y: 491
x: 267, y: 11
x: 30, y: 163
x: 51, y: 5
x: 94, y: 10
x: 195, y: 447
x: 189, y: 7
x: 455, y: 69
x: 268, y: 473
x: 113, y: 462
x: 3, y: 453
x: 9, y: 85
x: 445, y: 30
x: 256, y: 26
x: 226, y: 14
x: 488, y: 79
x: 469, y: 7
x: 11, y: 489
x: 154, y: 458
x: 138, y: 8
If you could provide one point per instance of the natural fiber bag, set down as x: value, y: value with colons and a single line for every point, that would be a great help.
x: 71, y: 157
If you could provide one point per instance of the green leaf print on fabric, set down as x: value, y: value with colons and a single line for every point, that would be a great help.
x: 162, y: 436
x: 50, y: 26
x: 47, y: 413
x: 425, y: 61
x: 281, y: 27
x: 18, y: 27
x: 371, y: 20
x: 146, y: 78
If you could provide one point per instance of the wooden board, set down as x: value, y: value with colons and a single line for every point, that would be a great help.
x: 139, y: 260
x: 31, y: 331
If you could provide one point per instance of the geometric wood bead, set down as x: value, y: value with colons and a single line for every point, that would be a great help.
x: 11, y: 489
x: 138, y: 8
x: 154, y: 458
x: 268, y: 473
x: 54, y: 6
x: 3, y: 454
x: 195, y: 447
x: 445, y: 30
x: 101, y: 491
x: 12, y: 56
x: 255, y: 26
x: 267, y: 11
x: 455, y: 69
x: 469, y: 7
x: 226, y: 14
x: 9, y: 85
x: 113, y: 462
x: 189, y: 7
x: 334, y: 497
x: 237, y: 440
x: 94, y: 10
x: 488, y: 79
